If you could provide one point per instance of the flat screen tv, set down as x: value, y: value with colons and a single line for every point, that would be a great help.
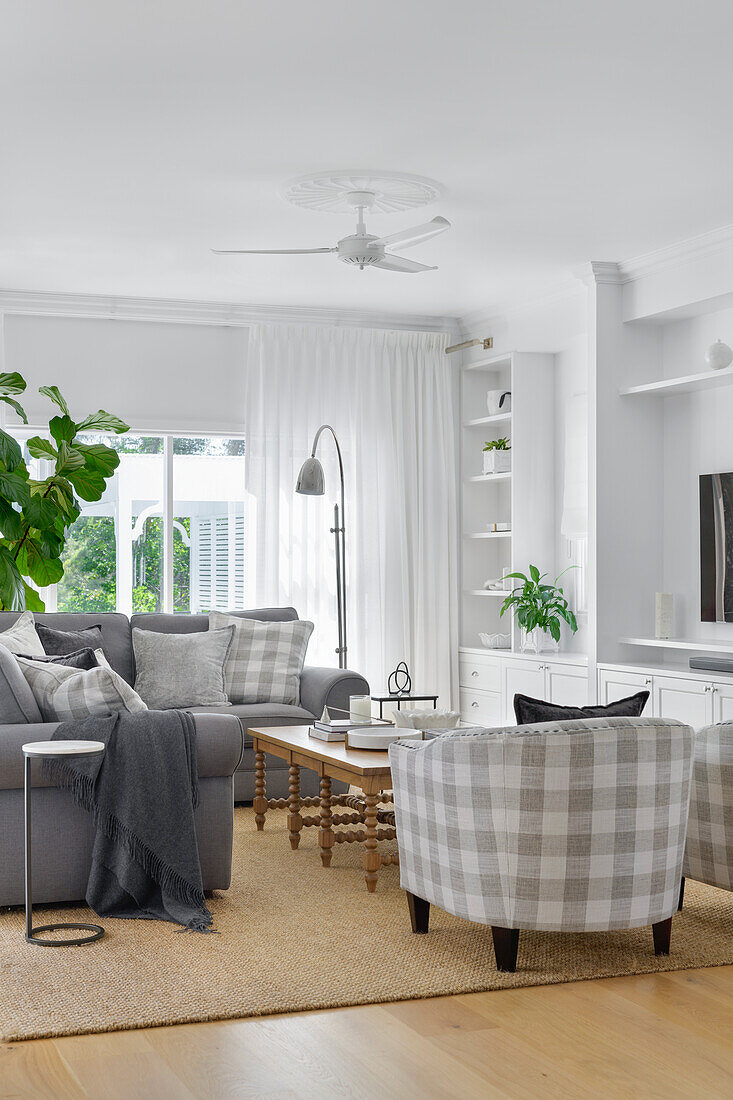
x: 716, y: 548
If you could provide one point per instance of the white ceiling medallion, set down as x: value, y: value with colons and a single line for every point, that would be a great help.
x: 332, y: 192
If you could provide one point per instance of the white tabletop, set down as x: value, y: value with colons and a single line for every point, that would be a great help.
x: 62, y: 748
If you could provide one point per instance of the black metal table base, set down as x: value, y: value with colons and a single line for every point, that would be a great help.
x: 96, y: 930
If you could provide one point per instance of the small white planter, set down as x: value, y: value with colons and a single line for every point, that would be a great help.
x: 497, y: 462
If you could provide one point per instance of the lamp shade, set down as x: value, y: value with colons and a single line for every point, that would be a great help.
x: 310, y: 479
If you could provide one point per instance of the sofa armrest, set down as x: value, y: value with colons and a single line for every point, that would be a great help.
x: 220, y: 744
x: 330, y: 687
x: 12, y: 739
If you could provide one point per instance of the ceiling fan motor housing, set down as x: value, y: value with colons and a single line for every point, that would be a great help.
x: 357, y: 250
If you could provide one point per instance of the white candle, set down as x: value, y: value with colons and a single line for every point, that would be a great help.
x: 360, y: 707
x: 664, y: 617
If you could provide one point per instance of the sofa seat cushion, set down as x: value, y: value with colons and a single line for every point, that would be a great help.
x: 261, y: 714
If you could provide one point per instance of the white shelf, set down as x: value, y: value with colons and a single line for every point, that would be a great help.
x: 681, y: 643
x: 483, y: 421
x: 503, y: 592
x: 708, y: 379
x: 506, y: 476
x: 489, y: 535
x: 491, y: 362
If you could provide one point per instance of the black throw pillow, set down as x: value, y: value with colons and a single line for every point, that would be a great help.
x: 58, y: 643
x: 528, y: 710
x: 83, y: 658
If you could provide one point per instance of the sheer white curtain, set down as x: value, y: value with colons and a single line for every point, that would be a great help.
x: 389, y: 398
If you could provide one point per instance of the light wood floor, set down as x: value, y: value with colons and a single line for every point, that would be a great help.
x: 656, y: 1035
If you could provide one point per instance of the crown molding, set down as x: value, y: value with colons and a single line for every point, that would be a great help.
x: 678, y: 254
x: 232, y: 314
x: 596, y: 272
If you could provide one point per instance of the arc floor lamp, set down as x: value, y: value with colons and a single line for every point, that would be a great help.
x: 312, y: 483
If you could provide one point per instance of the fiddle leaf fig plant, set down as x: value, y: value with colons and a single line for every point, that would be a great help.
x: 35, y: 515
x: 538, y: 604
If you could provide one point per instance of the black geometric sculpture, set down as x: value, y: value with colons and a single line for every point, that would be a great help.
x: 399, y: 682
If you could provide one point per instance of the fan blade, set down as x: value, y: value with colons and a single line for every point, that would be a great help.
x: 399, y: 263
x: 409, y: 237
x: 270, y: 251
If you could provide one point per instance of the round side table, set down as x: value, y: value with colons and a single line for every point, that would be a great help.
x: 45, y: 749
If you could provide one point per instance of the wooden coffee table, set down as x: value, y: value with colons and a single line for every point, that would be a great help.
x: 331, y: 760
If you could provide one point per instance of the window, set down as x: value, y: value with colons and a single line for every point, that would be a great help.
x: 169, y: 533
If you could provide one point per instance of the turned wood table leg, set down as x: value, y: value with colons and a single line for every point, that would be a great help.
x: 371, y: 857
x: 295, y: 821
x: 325, y: 833
x: 260, y: 799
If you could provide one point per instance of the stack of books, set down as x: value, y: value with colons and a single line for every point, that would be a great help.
x: 335, y: 729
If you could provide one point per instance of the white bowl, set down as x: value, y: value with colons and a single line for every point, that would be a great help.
x: 381, y: 740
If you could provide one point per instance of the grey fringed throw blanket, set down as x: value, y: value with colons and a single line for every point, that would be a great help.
x: 142, y: 794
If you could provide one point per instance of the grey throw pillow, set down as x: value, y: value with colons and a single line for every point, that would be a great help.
x: 181, y: 670
x: 83, y: 658
x: 266, y: 658
x: 529, y: 711
x: 58, y: 643
x: 17, y: 703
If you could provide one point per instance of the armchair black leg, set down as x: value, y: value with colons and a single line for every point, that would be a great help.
x: 506, y: 945
x: 682, y: 893
x: 419, y: 912
x: 662, y: 932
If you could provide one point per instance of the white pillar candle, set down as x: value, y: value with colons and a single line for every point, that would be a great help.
x: 360, y: 708
x: 664, y: 617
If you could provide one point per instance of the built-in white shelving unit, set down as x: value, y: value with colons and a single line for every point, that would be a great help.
x: 522, y: 497
x: 688, y: 383
x: 697, y: 644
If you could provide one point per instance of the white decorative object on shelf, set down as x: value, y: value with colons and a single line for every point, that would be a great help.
x: 719, y: 356
x: 497, y: 461
x: 494, y: 585
x: 495, y: 641
x: 664, y: 615
x: 499, y: 401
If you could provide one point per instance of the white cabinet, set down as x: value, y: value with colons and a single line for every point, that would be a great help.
x: 567, y: 685
x: 689, y: 701
x: 555, y: 681
x: 521, y: 678
x: 481, y: 707
x: 616, y: 684
x: 722, y: 702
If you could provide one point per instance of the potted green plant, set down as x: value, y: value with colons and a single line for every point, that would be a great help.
x: 35, y: 515
x: 497, y: 456
x: 540, y: 609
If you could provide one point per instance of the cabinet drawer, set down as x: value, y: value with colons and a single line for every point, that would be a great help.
x: 483, y: 674
x: 481, y: 707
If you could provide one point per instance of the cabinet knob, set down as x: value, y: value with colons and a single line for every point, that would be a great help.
x: 474, y: 704
x: 474, y: 673
x: 648, y: 680
x: 708, y: 687
x: 715, y: 690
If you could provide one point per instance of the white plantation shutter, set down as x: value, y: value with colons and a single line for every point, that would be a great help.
x: 217, y: 563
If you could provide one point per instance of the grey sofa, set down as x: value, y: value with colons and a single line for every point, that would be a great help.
x: 63, y: 833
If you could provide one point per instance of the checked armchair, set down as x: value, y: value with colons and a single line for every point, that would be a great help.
x: 565, y: 826
x: 709, y: 850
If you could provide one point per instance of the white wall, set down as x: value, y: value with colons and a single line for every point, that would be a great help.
x: 160, y: 375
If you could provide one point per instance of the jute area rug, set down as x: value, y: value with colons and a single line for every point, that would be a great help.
x: 294, y: 936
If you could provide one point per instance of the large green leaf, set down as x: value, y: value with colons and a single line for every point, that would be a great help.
x: 103, y: 422
x: 69, y: 458
x: 42, y: 448
x: 62, y: 428
x: 11, y: 521
x: 11, y: 383
x: 52, y: 542
x: 55, y: 395
x: 10, y: 452
x: 89, y: 484
x: 33, y: 601
x: 99, y: 457
x: 41, y: 511
x: 17, y: 406
x: 33, y: 562
x: 63, y: 493
x: 12, y: 587
x: 14, y: 487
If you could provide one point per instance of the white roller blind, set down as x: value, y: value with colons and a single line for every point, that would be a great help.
x: 173, y: 377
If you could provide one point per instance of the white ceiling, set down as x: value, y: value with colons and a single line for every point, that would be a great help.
x: 137, y: 134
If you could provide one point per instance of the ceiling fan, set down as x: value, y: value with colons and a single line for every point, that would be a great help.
x: 362, y: 249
